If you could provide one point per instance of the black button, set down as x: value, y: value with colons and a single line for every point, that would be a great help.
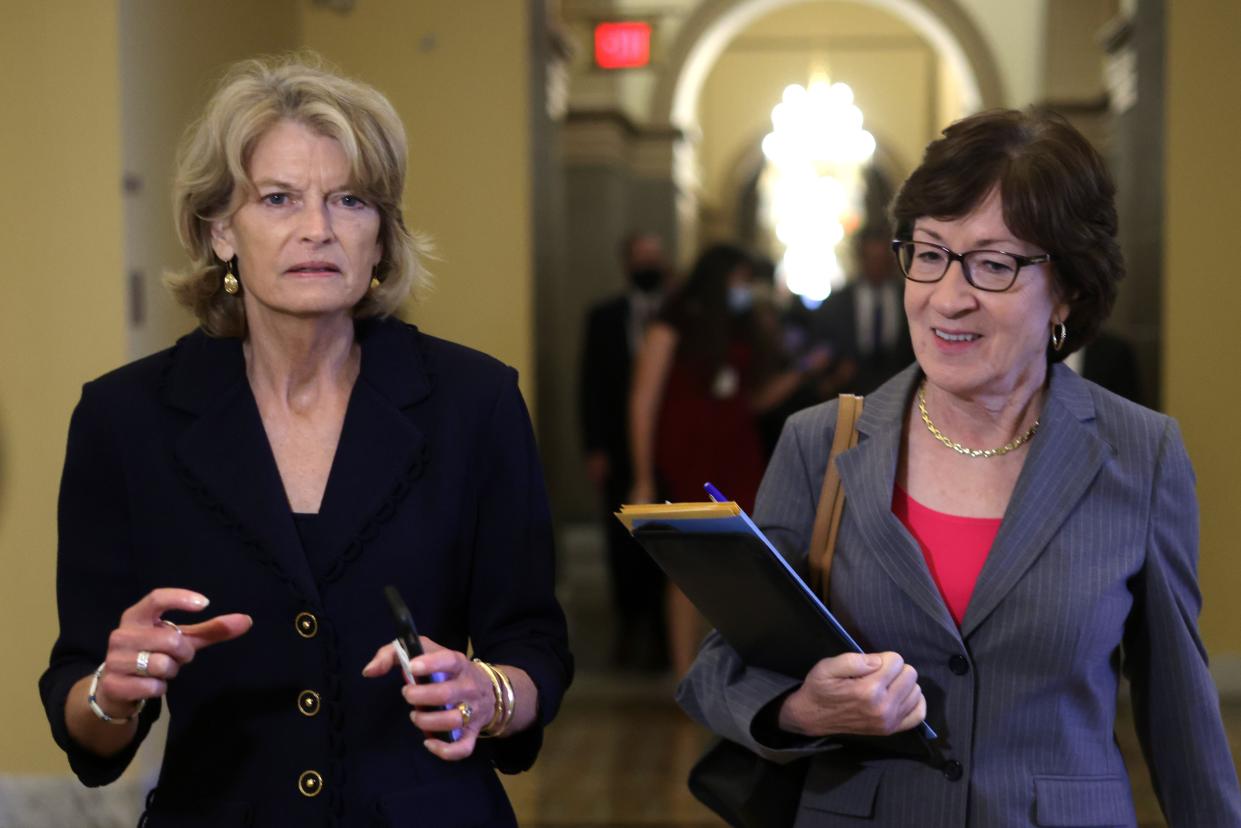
x: 953, y: 770
x: 959, y: 664
x: 308, y: 702
x: 310, y: 783
x: 307, y: 625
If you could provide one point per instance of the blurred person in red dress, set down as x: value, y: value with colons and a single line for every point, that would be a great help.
x: 697, y: 393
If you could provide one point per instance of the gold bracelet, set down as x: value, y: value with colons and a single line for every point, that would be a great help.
x: 510, y: 701
x: 492, y: 727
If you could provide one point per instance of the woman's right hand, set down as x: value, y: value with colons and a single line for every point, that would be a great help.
x: 873, y: 694
x: 142, y: 629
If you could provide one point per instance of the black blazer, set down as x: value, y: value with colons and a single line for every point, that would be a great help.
x: 436, y: 487
x: 835, y: 322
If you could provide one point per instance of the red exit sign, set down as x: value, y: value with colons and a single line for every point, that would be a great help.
x: 622, y: 45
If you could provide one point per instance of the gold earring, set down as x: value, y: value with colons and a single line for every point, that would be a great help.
x: 1059, y: 333
x: 375, y: 283
x: 231, y: 286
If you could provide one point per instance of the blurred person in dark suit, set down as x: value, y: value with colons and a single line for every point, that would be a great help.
x: 1111, y: 362
x: 864, y: 323
x: 784, y: 346
x: 614, y: 332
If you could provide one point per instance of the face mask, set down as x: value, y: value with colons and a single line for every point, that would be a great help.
x: 740, y: 298
x: 647, y: 279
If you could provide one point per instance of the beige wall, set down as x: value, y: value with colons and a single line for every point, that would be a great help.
x: 1073, y: 59
x: 1015, y: 31
x: 1202, y: 294
x: 167, y: 71
x: 457, y: 71
x: 61, y: 318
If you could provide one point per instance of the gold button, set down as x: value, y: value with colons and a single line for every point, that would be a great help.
x: 307, y: 625
x: 308, y: 702
x: 310, y: 783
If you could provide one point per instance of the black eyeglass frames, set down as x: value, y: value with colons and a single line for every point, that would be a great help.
x: 989, y: 270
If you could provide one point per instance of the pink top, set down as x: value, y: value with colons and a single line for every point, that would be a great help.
x: 955, y: 547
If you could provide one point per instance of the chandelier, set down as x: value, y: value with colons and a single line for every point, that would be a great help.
x: 812, y: 186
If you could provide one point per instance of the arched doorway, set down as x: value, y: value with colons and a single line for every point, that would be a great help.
x: 707, y: 32
x: 633, y: 166
x: 705, y: 35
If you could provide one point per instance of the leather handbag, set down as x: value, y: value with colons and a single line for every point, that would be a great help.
x: 744, y: 789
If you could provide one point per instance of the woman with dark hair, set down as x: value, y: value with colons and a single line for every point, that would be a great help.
x: 691, y: 385
x: 697, y: 393
x: 1019, y: 535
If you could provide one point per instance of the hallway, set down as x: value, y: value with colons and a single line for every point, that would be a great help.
x: 618, y: 756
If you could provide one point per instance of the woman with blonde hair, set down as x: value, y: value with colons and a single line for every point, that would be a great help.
x: 287, y: 461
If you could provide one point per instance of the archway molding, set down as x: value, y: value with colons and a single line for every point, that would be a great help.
x: 709, y: 30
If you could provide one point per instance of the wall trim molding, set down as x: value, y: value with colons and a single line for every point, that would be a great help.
x: 714, y: 23
x: 609, y: 137
x: 617, y: 117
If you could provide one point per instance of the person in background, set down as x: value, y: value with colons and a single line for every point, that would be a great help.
x: 1014, y: 538
x: 280, y: 466
x: 863, y: 324
x: 695, y: 403
x: 614, y: 332
x: 785, y: 347
x: 1110, y: 361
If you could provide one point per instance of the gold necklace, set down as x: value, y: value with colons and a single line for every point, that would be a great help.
x: 960, y: 449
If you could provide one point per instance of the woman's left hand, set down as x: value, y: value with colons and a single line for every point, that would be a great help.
x: 465, y: 687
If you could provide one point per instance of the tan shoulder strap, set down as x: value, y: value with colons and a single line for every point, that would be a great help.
x: 832, y: 496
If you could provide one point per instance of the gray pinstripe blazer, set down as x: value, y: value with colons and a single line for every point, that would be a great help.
x: 1093, y: 571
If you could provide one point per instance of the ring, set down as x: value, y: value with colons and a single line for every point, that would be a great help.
x: 170, y: 625
x: 144, y: 659
x: 466, y: 712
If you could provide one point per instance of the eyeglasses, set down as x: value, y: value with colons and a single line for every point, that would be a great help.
x: 990, y: 270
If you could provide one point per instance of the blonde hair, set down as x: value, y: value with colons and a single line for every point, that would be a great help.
x: 253, y: 96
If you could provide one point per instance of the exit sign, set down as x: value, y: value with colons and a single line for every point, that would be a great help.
x: 622, y: 45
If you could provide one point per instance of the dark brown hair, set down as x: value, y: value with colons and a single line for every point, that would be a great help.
x: 1056, y: 194
x: 698, y: 310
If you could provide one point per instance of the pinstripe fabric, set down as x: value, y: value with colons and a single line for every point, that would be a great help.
x: 1096, y: 555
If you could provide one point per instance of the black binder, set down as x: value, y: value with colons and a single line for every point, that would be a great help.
x: 750, y: 594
